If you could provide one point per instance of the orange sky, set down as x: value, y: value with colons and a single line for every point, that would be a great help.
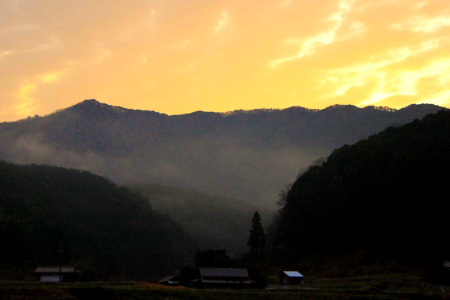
x: 180, y: 56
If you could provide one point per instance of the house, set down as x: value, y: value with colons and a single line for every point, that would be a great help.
x: 224, y: 278
x: 447, y: 265
x: 291, y: 278
x: 56, y: 273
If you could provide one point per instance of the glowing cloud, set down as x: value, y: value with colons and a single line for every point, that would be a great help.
x: 26, y: 102
x: 222, y: 22
x: 50, y: 77
x: 425, y: 25
x: 181, y: 56
x: 308, y: 45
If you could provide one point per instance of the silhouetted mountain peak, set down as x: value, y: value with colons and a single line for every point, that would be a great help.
x: 379, y: 108
x: 92, y: 104
x: 247, y: 112
x: 422, y: 107
x: 341, y: 107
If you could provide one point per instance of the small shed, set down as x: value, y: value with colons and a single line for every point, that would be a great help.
x: 172, y: 280
x: 225, y: 278
x: 447, y: 265
x: 54, y: 273
x: 291, y: 278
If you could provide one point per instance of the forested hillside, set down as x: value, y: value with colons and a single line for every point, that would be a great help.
x: 105, y: 229
x: 246, y: 155
x: 387, y: 193
x: 215, y: 222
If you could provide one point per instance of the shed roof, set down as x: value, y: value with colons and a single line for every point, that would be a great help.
x: 224, y: 272
x: 169, y: 278
x: 55, y: 269
x: 50, y: 278
x: 292, y: 274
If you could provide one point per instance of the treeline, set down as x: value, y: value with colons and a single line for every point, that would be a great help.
x: 387, y: 193
x: 215, y: 222
x: 106, y: 230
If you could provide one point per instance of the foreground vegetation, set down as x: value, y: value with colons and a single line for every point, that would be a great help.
x: 365, y: 288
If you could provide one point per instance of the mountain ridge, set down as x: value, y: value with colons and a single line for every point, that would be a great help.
x: 248, y: 156
x: 95, y: 104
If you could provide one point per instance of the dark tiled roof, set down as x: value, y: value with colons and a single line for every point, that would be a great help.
x: 224, y: 272
x: 55, y: 269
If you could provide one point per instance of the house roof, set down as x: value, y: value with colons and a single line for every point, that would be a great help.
x: 54, y: 269
x: 225, y: 281
x: 224, y: 272
x: 170, y: 279
x: 50, y: 278
x: 292, y: 274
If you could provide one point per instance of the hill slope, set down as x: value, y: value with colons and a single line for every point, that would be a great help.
x: 248, y: 155
x: 388, y: 191
x: 104, y: 228
x: 215, y: 222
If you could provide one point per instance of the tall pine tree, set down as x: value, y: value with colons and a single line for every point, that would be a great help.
x: 257, y: 238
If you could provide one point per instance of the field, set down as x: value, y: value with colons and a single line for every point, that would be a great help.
x: 321, y: 288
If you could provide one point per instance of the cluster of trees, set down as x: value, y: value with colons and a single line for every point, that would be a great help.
x: 387, y: 192
x: 105, y: 229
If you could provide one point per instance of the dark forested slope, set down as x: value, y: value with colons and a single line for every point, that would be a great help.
x: 247, y: 155
x: 388, y: 191
x: 104, y: 228
x: 215, y: 222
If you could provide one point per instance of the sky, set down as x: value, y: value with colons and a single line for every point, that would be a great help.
x: 181, y: 56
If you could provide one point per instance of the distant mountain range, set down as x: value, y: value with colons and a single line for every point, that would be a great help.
x: 248, y: 155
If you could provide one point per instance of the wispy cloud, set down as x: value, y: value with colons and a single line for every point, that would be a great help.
x: 423, y: 24
x: 222, y: 23
x: 388, y: 79
x: 4, y: 53
x: 25, y: 101
x: 309, y: 45
x: 285, y: 3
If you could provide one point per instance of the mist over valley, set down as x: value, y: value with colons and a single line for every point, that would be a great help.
x: 245, y: 155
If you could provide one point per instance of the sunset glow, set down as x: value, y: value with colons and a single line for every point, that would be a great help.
x: 180, y: 56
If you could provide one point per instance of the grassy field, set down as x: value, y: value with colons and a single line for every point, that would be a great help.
x: 317, y: 289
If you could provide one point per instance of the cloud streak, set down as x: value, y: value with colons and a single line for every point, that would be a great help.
x: 223, y: 22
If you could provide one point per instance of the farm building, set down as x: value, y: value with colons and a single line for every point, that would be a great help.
x: 224, y: 278
x: 447, y: 265
x: 291, y: 278
x: 56, y: 273
x: 172, y: 280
